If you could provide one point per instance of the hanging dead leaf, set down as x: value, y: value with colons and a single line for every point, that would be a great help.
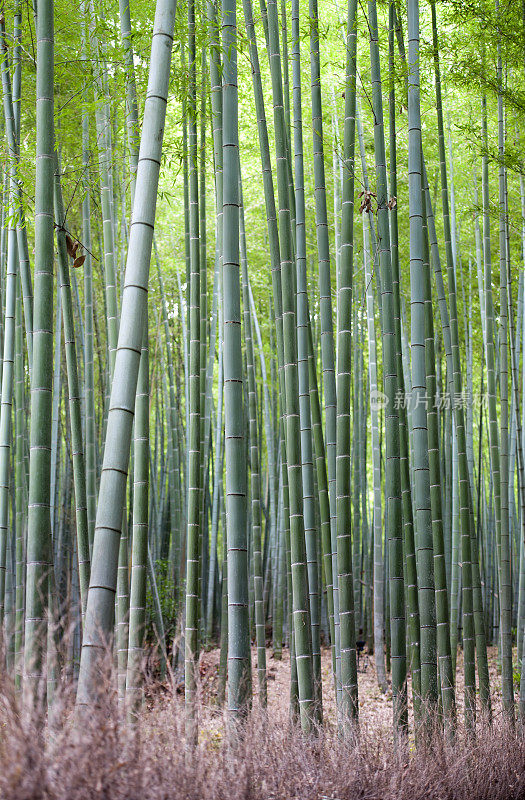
x: 79, y: 260
x: 70, y: 246
x: 366, y: 203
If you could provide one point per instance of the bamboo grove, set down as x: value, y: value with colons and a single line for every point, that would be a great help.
x: 262, y: 383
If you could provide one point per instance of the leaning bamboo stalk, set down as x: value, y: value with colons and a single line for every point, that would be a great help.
x: 101, y: 596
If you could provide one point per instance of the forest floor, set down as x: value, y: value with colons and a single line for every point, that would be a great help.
x: 375, y: 706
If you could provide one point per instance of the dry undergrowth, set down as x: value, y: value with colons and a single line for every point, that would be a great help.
x: 272, y: 760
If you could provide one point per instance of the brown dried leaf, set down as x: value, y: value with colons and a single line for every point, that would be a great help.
x: 70, y: 246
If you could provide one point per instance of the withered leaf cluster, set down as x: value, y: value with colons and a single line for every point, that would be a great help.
x: 72, y: 248
x: 366, y: 202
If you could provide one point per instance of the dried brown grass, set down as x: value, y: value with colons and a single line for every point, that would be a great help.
x: 271, y: 761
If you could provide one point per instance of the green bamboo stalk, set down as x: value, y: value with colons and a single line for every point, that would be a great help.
x: 441, y: 598
x: 278, y: 593
x: 139, y: 556
x: 11, y: 97
x: 239, y: 666
x: 157, y: 614
x: 469, y: 618
x: 173, y: 449
x: 379, y: 643
x: 101, y: 596
x: 122, y: 609
x: 200, y: 171
x: 223, y: 661
x: 454, y: 590
x: 186, y: 358
x: 303, y: 322
x: 423, y: 516
x: 216, y: 102
x: 255, y: 477
x: 345, y: 590
x: 325, y: 297
x: 299, y: 605
x: 505, y: 575
x: 79, y: 467
x: 217, y: 475
x: 132, y: 113
x: 323, y: 494
x: 17, y: 66
x: 9, y: 613
x: 450, y: 333
x: 89, y: 372
x: 194, y: 522
x: 7, y: 397
x: 355, y: 480
x: 393, y: 484
x: 106, y: 192
x: 271, y: 525
x: 412, y: 602
x: 275, y: 264
x: 39, y: 518
x: 20, y: 489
